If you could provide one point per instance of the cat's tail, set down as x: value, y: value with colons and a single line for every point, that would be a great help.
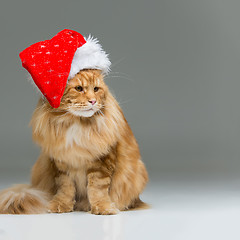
x: 138, y: 204
x: 23, y: 199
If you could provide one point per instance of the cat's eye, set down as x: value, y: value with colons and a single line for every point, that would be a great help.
x: 96, y: 89
x: 79, y: 88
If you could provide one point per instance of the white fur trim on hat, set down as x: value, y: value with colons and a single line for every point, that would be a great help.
x: 90, y: 56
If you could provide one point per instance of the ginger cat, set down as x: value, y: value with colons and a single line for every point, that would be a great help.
x: 90, y: 159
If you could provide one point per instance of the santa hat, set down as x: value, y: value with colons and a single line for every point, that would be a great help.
x: 52, y: 62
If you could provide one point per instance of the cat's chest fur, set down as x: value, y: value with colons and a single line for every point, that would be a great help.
x: 85, y: 137
x: 75, y: 134
x: 80, y: 144
x: 77, y: 142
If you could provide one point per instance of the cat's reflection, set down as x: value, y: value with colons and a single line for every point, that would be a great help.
x: 113, y: 227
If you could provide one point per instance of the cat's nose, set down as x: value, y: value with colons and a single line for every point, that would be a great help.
x: 92, y: 101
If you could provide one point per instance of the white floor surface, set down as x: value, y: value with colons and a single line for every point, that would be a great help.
x: 182, y: 209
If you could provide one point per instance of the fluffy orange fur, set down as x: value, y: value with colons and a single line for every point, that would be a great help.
x: 90, y: 159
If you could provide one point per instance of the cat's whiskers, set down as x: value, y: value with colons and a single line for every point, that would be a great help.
x: 126, y: 101
x: 123, y: 77
x: 101, y: 112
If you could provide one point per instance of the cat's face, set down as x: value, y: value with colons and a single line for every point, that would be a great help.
x: 85, y: 94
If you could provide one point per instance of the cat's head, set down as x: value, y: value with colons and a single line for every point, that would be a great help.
x: 85, y: 94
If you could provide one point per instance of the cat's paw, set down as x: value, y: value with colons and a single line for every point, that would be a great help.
x: 56, y: 206
x: 104, y: 209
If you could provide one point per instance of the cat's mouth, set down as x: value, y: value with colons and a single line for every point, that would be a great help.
x: 86, y: 110
x: 83, y: 112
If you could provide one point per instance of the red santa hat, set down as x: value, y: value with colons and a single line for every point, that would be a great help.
x: 52, y: 62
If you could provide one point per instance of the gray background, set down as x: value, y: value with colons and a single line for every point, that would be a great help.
x: 176, y: 68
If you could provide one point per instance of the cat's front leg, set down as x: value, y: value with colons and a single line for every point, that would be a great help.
x: 64, y: 200
x: 99, y: 180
